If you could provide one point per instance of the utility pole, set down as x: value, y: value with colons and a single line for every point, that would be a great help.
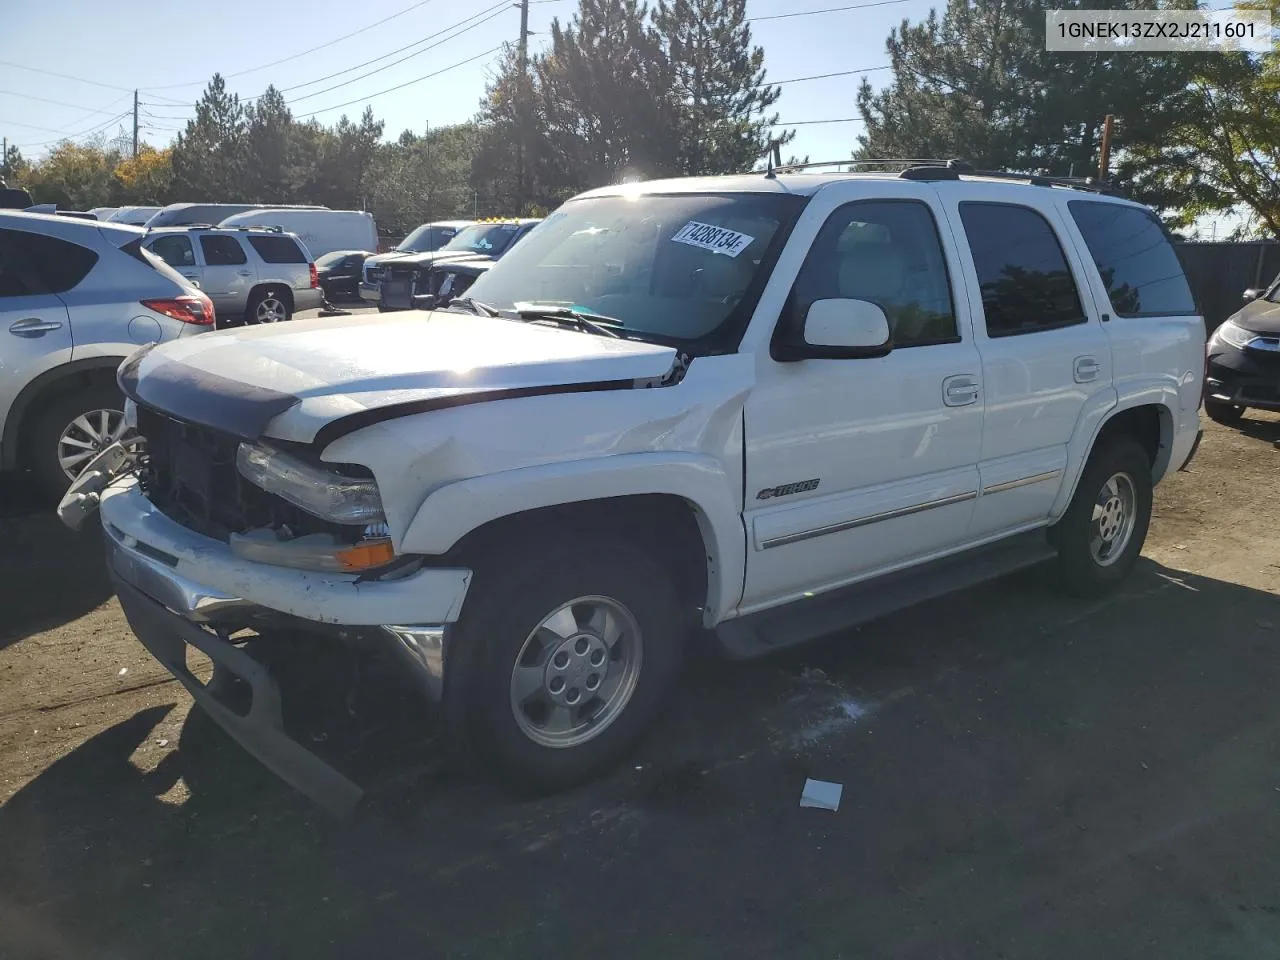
x: 1104, y: 162
x: 135, y: 123
x: 426, y: 146
x: 4, y: 161
x: 521, y: 99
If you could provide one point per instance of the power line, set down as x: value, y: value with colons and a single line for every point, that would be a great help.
x: 806, y: 123
x: 367, y: 97
x: 487, y: 14
x: 824, y: 76
x: 810, y: 13
x: 275, y: 63
x: 493, y: 12
x: 65, y: 76
x: 97, y: 128
x: 56, y: 103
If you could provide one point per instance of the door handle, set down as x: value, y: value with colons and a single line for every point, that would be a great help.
x: 33, y: 327
x: 1087, y: 369
x: 244, y: 273
x: 960, y: 390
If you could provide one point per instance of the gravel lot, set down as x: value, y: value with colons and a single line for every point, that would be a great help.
x: 1024, y: 776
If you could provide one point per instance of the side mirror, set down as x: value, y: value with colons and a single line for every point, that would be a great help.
x: 1252, y: 294
x: 838, y: 329
x: 424, y: 301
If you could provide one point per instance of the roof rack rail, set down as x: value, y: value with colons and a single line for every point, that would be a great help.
x: 954, y: 169
x: 848, y: 162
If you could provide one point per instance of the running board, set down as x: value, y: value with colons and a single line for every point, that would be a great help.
x: 801, y: 620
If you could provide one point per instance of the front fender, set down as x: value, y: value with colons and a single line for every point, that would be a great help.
x: 454, y: 510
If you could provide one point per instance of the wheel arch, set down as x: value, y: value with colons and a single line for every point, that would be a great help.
x: 278, y: 286
x: 1151, y: 422
x: 690, y: 522
x: 55, y: 382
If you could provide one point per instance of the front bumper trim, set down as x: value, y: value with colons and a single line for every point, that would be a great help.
x: 260, y: 730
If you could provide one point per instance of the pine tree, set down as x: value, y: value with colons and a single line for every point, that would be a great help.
x: 978, y: 84
x: 603, y: 96
x: 209, y: 156
x: 269, y: 150
x: 718, y: 85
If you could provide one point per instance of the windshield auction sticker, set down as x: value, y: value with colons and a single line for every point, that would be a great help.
x: 1147, y: 31
x: 716, y: 239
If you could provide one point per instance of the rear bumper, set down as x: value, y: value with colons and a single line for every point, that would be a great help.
x: 308, y: 298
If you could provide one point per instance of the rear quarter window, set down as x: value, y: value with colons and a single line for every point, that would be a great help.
x: 278, y: 249
x: 57, y: 265
x: 1135, y: 260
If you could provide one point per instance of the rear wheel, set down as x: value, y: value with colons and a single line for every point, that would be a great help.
x: 1228, y: 414
x: 562, y: 658
x: 268, y: 306
x: 70, y: 432
x: 1102, y: 532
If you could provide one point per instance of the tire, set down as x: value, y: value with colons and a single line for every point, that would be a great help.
x: 1227, y: 414
x: 45, y: 445
x: 268, y: 306
x: 514, y: 592
x: 1097, y: 553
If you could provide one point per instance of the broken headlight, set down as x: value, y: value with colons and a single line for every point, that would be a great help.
x: 320, y: 491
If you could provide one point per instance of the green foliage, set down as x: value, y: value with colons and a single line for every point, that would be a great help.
x: 976, y: 83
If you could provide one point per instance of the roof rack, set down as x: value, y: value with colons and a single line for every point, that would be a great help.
x: 818, y: 164
x: 265, y: 228
x: 955, y: 169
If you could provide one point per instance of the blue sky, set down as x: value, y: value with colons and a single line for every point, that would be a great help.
x: 169, y: 51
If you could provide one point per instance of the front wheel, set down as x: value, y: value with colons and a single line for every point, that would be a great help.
x: 1227, y: 414
x: 1102, y: 532
x: 562, y: 658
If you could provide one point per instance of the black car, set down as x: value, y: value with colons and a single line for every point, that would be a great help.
x: 407, y: 279
x: 339, y: 274
x: 1243, y: 368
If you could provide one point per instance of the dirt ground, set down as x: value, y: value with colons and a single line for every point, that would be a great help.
x: 1024, y: 776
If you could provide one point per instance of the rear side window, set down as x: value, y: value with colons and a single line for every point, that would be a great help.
x: 174, y: 249
x: 57, y: 265
x: 278, y: 249
x: 1137, y: 263
x: 1026, y: 284
x: 222, y: 251
x: 14, y: 278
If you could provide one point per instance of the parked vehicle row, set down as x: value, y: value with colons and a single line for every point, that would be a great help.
x: 762, y: 406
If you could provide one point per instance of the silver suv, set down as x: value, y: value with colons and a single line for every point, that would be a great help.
x: 76, y: 298
x: 252, y: 274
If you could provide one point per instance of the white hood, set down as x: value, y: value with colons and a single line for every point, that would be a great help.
x: 290, y: 380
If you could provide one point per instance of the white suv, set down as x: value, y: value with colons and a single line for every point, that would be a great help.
x: 252, y: 274
x: 76, y: 298
x: 767, y: 406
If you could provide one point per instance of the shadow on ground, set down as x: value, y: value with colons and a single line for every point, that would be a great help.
x: 1024, y: 776
x: 1267, y: 430
x: 49, y: 575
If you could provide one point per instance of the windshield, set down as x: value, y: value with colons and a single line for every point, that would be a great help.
x: 487, y: 238
x: 675, y: 266
x: 426, y: 238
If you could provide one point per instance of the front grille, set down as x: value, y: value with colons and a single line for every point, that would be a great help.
x: 189, y: 472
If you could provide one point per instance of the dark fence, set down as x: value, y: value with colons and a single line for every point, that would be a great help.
x: 1220, y: 273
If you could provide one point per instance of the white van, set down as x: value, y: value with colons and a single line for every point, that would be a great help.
x: 323, y: 231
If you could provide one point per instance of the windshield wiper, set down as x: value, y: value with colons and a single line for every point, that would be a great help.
x: 476, y: 307
x: 584, y: 320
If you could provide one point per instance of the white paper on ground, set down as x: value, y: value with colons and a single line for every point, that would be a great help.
x: 821, y: 794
